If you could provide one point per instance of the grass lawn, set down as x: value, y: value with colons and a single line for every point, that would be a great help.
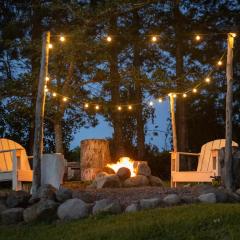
x: 220, y: 221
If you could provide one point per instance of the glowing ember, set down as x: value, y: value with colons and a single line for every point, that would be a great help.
x: 123, y: 162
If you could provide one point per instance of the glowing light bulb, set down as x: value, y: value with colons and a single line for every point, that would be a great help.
x: 109, y: 39
x: 54, y: 94
x: 207, y: 80
x: 184, y: 95
x: 50, y: 46
x: 160, y: 100
x: 119, y: 108
x: 46, y: 90
x: 86, y: 105
x: 64, y: 99
x: 129, y: 107
x: 219, y: 63
x: 62, y: 39
x: 234, y: 35
x: 47, y: 79
x: 97, y: 107
x: 194, y: 90
x: 154, y: 39
x: 170, y: 94
x: 198, y: 37
x: 151, y: 103
x: 174, y: 95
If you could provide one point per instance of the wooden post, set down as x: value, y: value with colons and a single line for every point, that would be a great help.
x: 173, y: 121
x: 228, y: 134
x: 39, y: 114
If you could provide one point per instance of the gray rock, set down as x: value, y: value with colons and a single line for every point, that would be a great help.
x: 101, y: 175
x: 136, y: 181
x: 63, y: 194
x: 17, y: 199
x: 106, y: 206
x: 110, y: 181
x: 123, y: 173
x: 84, y: 196
x: 172, y: 199
x: 150, y: 203
x: 238, y: 191
x: 143, y: 169
x: 189, y: 199
x: 73, y: 209
x: 12, y: 216
x: 108, y: 170
x: 2, y: 207
x: 44, y: 210
x: 47, y: 191
x: 134, y: 207
x: 207, y: 198
x: 155, y: 181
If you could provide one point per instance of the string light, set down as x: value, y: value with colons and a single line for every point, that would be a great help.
x: 219, y: 63
x: 174, y: 95
x: 97, y: 107
x: 47, y: 79
x: 119, y: 108
x: 109, y: 39
x: 207, y: 80
x: 198, y: 37
x: 154, y: 39
x: 64, y: 99
x: 194, y: 90
x: 46, y: 90
x: 50, y: 46
x: 184, y: 95
x: 170, y: 94
x: 62, y: 39
x: 54, y: 94
x: 86, y: 105
x: 129, y: 107
x: 234, y: 35
x: 160, y: 100
x: 151, y: 103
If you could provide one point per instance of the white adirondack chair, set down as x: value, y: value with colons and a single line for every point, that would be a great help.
x: 208, y: 164
x: 14, y: 164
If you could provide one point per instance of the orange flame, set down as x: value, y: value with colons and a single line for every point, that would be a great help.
x: 123, y: 162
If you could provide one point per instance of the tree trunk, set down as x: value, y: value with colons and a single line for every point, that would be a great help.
x: 115, y: 96
x: 229, y: 98
x: 58, y: 137
x: 95, y: 155
x: 138, y: 91
x: 39, y: 116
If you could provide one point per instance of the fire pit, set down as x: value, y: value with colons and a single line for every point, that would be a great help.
x: 125, y: 173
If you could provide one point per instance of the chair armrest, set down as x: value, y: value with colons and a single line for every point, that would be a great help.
x: 188, y: 153
x: 30, y: 157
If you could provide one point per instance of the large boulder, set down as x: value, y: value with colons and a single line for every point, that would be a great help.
x: 136, y: 181
x: 133, y: 207
x: 110, y: 181
x: 46, y: 191
x: 123, y: 173
x: 143, y: 169
x: 44, y: 210
x: 172, y: 199
x: 87, y: 197
x: 106, y: 206
x: 108, y: 170
x: 63, y: 194
x: 101, y: 175
x: 73, y: 209
x: 155, y: 181
x: 207, y: 198
x: 12, y: 216
x: 17, y: 199
x: 150, y: 203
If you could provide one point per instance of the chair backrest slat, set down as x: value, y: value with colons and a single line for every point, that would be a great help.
x: 205, y: 159
x: 6, y: 158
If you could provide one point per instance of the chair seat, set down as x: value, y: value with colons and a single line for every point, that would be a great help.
x: 192, y: 176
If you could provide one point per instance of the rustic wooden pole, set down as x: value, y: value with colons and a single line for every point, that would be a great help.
x: 39, y: 114
x: 228, y: 131
x: 173, y: 121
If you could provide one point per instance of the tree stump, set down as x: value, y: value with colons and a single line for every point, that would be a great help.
x: 95, y: 155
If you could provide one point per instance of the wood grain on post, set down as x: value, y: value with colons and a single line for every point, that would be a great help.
x: 228, y: 131
x: 39, y: 114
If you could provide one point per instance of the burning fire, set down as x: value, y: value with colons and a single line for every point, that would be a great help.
x: 123, y: 162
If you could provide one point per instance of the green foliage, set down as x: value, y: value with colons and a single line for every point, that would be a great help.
x: 219, y: 221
